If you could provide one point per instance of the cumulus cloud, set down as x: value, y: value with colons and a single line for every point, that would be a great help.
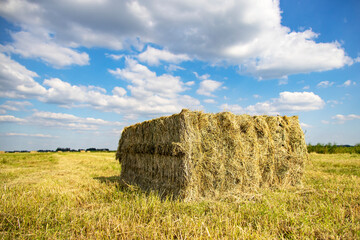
x: 42, y: 46
x: 286, y: 102
x: 244, y: 33
x: 15, y: 105
x: 153, y: 56
x: 146, y: 92
x: 61, y: 120
x: 65, y: 94
x: 69, y: 121
x: 281, y: 53
x: 10, y: 118
x: 16, y: 81
x: 145, y: 82
x: 150, y: 93
x: 207, y: 86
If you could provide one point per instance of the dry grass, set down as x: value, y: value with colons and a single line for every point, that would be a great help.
x: 77, y: 196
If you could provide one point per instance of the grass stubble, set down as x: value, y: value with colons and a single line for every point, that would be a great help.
x: 78, y: 196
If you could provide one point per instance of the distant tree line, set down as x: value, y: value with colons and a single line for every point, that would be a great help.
x: 59, y: 149
x: 79, y: 150
x: 333, y: 148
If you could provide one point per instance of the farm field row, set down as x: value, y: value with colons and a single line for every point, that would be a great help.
x: 77, y: 196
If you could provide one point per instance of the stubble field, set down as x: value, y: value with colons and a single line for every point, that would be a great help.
x: 77, y: 196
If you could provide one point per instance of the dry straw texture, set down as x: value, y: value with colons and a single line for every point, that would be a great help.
x: 193, y: 154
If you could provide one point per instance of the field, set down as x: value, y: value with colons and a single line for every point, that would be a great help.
x: 77, y: 196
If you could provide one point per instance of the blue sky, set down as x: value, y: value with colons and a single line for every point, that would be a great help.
x: 75, y: 73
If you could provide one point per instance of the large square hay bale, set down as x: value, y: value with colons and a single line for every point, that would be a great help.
x: 194, y: 154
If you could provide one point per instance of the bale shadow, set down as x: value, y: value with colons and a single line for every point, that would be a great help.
x: 113, y: 179
x: 133, y: 189
x: 116, y: 180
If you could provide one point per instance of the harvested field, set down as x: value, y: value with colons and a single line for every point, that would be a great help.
x: 78, y: 196
x: 194, y: 154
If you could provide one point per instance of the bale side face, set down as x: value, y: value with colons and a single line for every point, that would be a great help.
x: 193, y: 154
x: 151, y: 155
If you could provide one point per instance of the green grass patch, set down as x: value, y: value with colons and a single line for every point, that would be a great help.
x: 78, y: 196
x: 14, y: 165
x: 340, y: 164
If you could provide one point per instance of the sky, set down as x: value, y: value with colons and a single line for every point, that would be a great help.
x: 74, y: 73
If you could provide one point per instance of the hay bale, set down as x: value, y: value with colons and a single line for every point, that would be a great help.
x: 33, y: 151
x: 2, y: 152
x: 194, y: 154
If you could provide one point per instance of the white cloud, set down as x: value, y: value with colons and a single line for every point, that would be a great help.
x: 146, y: 83
x: 147, y: 93
x: 235, y: 108
x: 21, y: 12
x: 69, y: 121
x: 201, y: 77
x: 190, y: 83
x: 325, y: 122
x: 210, y: 100
x: 333, y: 102
x: 281, y: 52
x: 256, y: 96
x: 287, y: 102
x: 283, y: 81
x: 10, y: 118
x: 119, y: 91
x: 42, y: 46
x: 341, y: 119
x: 37, y: 135
x: 61, y: 120
x: 115, y: 56
x: 298, y: 101
x: 16, y: 81
x: 65, y: 94
x: 207, y: 86
x: 305, y: 125
x: 153, y: 56
x: 306, y: 87
x: 173, y: 68
x: 325, y: 84
x: 15, y: 105
x: 255, y: 39
x: 348, y: 83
